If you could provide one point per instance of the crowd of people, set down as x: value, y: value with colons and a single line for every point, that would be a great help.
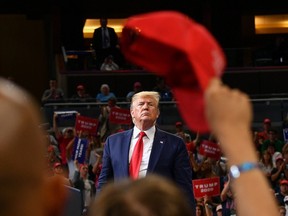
x: 271, y: 159
x: 140, y: 170
x: 55, y: 94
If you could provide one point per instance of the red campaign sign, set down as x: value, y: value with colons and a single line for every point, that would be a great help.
x: 210, y: 149
x: 209, y: 186
x: 120, y: 116
x: 84, y: 123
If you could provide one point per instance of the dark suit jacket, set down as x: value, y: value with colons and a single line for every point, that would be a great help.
x: 169, y: 158
x: 97, y: 38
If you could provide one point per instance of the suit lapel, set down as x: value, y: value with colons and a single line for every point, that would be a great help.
x: 124, y: 152
x: 159, y: 141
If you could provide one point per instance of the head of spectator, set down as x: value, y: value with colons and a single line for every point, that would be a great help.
x: 137, y: 87
x: 219, y: 210
x: 103, y: 22
x: 112, y: 102
x: 282, y: 211
x: 53, y: 84
x: 68, y: 133
x: 80, y: 90
x: 144, y: 109
x: 152, y: 195
x: 272, y: 135
x: 57, y: 168
x: 105, y: 89
x: 83, y: 168
x: 179, y: 126
x: 266, y: 124
x: 199, y: 209
x: 25, y: 189
x: 283, y: 187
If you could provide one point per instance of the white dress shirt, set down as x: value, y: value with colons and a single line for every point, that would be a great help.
x: 147, y: 147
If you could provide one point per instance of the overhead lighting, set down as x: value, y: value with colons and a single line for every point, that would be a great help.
x: 271, y: 24
x: 92, y: 24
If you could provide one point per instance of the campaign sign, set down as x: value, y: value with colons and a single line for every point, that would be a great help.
x: 285, y: 134
x: 120, y: 116
x: 84, y: 123
x: 79, y: 150
x: 66, y: 118
x: 210, y: 149
x: 207, y: 186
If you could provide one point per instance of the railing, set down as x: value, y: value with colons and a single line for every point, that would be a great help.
x: 274, y: 108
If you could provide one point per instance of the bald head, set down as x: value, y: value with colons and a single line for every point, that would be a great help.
x: 21, y: 152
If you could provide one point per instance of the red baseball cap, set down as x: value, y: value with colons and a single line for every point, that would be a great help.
x: 57, y: 164
x: 174, y: 46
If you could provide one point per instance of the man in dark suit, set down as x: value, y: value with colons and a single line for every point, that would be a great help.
x: 105, y: 42
x: 163, y: 153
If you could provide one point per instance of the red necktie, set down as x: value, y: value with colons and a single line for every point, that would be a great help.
x: 137, y: 157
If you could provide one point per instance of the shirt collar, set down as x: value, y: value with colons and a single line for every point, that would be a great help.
x: 149, y: 133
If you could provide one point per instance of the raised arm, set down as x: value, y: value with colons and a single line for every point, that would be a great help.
x: 229, y: 114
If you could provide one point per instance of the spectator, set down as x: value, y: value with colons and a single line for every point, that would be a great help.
x: 53, y: 94
x: 273, y: 139
x: 109, y: 64
x: 278, y: 172
x: 162, y: 88
x: 25, y: 189
x: 86, y: 186
x: 219, y: 210
x: 137, y: 87
x: 172, y: 163
x: 58, y: 171
x: 153, y: 195
x: 104, y: 94
x: 104, y: 42
x: 106, y: 127
x: 81, y: 95
x: 63, y: 138
x: 181, y: 133
x: 266, y: 164
x: 282, y: 193
x: 262, y: 135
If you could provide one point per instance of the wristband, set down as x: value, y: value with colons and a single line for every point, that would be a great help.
x: 236, y: 170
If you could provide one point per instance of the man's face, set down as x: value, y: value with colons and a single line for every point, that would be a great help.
x: 284, y: 188
x: 145, y: 109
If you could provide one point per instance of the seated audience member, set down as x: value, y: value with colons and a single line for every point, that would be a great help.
x: 153, y: 195
x: 162, y: 88
x: 80, y: 95
x: 109, y: 64
x: 137, y: 87
x: 104, y: 94
x: 273, y: 139
x: 262, y: 135
x: 53, y: 94
x: 25, y: 189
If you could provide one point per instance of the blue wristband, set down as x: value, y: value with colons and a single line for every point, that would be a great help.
x: 236, y: 170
